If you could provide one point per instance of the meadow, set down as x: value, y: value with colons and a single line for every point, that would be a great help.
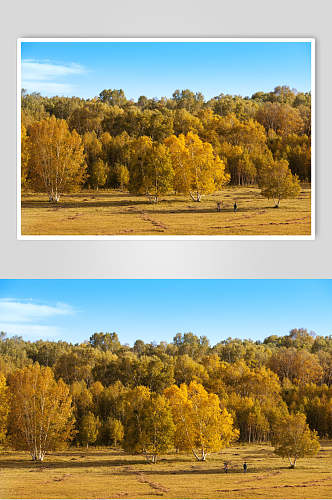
x: 110, y: 473
x: 113, y: 212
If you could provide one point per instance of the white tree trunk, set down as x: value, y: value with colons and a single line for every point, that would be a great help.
x: 201, y: 457
x: 197, y: 196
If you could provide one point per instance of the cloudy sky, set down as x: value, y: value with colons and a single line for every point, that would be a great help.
x: 155, y: 310
x: 155, y: 69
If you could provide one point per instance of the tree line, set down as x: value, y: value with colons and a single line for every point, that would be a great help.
x: 152, y: 147
x: 184, y: 395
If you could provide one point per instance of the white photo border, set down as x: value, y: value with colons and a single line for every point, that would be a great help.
x: 310, y: 40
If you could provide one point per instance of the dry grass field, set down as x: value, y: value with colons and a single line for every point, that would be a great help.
x: 116, y: 213
x: 105, y: 473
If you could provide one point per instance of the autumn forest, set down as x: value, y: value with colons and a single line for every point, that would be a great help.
x: 180, y: 149
x: 152, y: 398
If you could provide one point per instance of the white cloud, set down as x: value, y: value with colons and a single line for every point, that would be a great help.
x: 49, y: 88
x: 25, y: 311
x: 25, y: 317
x: 47, y: 78
x: 44, y: 70
x: 33, y: 332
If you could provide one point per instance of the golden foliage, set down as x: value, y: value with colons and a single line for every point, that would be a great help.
x: 57, y: 159
x: 197, y: 169
x: 4, y: 407
x: 293, y: 438
x: 41, y: 414
x: 201, y: 426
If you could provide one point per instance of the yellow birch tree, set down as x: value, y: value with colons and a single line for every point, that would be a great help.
x: 292, y: 438
x: 41, y: 413
x: 198, y: 170
x: 277, y: 182
x: 149, y: 426
x: 56, y: 158
x: 201, y: 426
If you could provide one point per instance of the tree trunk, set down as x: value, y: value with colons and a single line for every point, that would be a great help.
x: 37, y: 456
x: 150, y: 458
x: 152, y: 198
x: 54, y: 197
x: 201, y: 457
x: 197, y: 197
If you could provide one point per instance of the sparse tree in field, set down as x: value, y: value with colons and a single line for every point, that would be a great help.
x: 115, y: 430
x: 201, y: 426
x: 277, y: 182
x: 57, y: 159
x: 151, y: 171
x: 198, y: 170
x: 4, y: 407
x: 89, y: 428
x: 41, y: 414
x: 122, y: 175
x: 292, y: 438
x: 98, y: 175
x: 25, y: 155
x: 149, y: 427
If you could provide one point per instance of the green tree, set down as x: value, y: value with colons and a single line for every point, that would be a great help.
x: 122, y: 175
x: 277, y: 182
x: 105, y: 341
x: 89, y: 428
x: 293, y: 439
x: 98, y: 174
x: 149, y: 427
x: 113, y: 97
x: 115, y: 430
x: 151, y: 171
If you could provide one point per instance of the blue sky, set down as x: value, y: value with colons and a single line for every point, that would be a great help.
x: 155, y: 310
x: 156, y: 69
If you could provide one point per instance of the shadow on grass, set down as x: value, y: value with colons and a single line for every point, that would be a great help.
x: 149, y: 208
x: 81, y: 204
x: 198, y: 210
x: 67, y: 464
x: 128, y: 465
x: 112, y: 464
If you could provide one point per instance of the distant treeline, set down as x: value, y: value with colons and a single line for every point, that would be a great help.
x: 257, y: 383
x: 234, y: 138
